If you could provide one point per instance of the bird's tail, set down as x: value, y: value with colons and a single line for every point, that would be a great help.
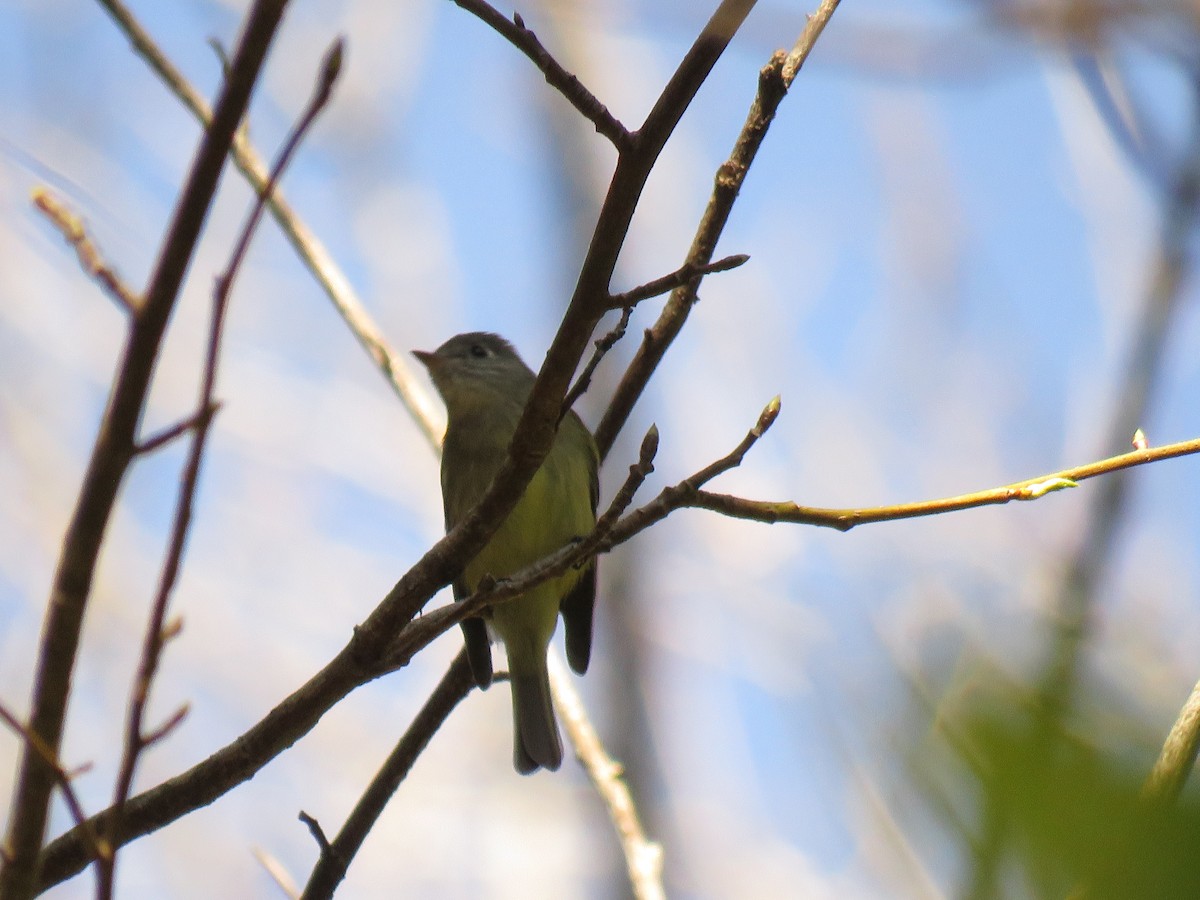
x: 535, y: 732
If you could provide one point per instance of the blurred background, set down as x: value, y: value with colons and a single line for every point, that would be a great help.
x: 972, y: 235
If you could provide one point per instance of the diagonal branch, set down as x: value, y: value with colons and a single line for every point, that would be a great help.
x: 337, y: 854
x: 98, y: 847
x: 521, y: 37
x: 1178, y: 756
x: 311, y: 251
x: 602, y: 345
x: 71, y: 227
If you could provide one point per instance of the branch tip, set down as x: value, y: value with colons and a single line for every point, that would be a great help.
x: 331, y: 68
x: 768, y: 416
x: 517, y: 33
x: 172, y: 629
x: 318, y: 833
x: 163, y: 730
x: 71, y: 227
x: 222, y: 56
x: 649, y: 446
x: 688, y: 275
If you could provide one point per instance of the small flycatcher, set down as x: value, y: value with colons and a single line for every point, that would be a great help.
x: 485, y: 386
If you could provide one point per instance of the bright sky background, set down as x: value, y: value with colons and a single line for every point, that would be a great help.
x: 948, y: 256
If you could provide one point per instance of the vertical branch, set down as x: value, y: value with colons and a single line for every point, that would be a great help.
x: 774, y: 81
x: 112, y: 453
x: 157, y: 631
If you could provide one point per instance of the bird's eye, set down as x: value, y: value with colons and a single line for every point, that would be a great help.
x: 479, y: 351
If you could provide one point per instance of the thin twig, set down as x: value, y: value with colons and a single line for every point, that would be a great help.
x: 112, y: 453
x: 336, y: 855
x: 643, y: 857
x: 676, y: 279
x: 170, y: 433
x: 277, y: 873
x: 99, y: 847
x: 1178, y: 756
x: 315, y: 829
x: 845, y: 519
x: 521, y: 37
x: 136, y: 740
x: 602, y: 345
x: 71, y: 227
x: 773, y: 83
x: 312, y: 252
x: 173, y: 721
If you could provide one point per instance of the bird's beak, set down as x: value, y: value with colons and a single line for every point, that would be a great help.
x: 427, y: 359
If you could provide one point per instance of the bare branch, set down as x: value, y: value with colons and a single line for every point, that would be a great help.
x: 162, y: 438
x: 337, y: 854
x: 100, y: 848
x: 176, y: 718
x: 845, y: 519
x: 136, y: 741
x: 71, y: 227
x: 311, y: 251
x: 113, y: 451
x: 801, y: 50
x: 1178, y: 756
x: 603, y: 345
x: 678, y: 278
x: 773, y: 83
x: 318, y: 833
x: 734, y: 458
x: 521, y: 37
x: 643, y: 857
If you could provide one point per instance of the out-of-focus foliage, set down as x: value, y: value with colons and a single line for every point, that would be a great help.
x: 1049, y: 805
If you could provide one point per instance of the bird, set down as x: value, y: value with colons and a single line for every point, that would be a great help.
x: 485, y: 385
